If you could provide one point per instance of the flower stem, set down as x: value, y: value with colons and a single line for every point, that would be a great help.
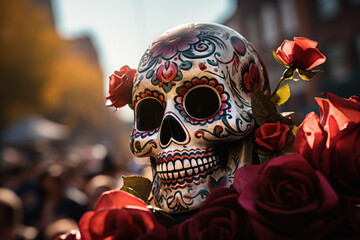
x: 287, y: 74
x: 282, y: 79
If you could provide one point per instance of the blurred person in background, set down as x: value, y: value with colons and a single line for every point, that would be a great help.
x: 52, y: 203
x: 18, y: 171
x: 10, y: 218
x: 96, y: 186
x: 59, y: 227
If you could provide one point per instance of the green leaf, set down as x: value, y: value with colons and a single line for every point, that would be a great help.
x: 263, y: 159
x: 288, y: 148
x: 163, y: 218
x: 155, y: 80
x: 167, y: 87
x: 282, y: 95
x: 130, y: 190
x: 277, y: 58
x: 140, y: 185
x: 307, y: 74
x: 264, y: 110
x: 289, y: 73
x: 294, y: 129
x: 179, y: 76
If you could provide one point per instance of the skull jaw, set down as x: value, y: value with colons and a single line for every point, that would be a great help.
x: 188, y: 196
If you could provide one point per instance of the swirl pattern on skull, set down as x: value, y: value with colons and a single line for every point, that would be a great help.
x: 192, y: 103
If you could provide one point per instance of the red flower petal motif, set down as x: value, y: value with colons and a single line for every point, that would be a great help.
x: 301, y: 53
x: 238, y: 45
x: 170, y: 43
x: 167, y: 72
x: 120, y: 87
x: 250, y: 78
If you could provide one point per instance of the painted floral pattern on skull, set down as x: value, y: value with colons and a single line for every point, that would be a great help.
x: 192, y: 104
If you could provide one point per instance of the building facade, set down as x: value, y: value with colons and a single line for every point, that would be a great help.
x: 334, y: 24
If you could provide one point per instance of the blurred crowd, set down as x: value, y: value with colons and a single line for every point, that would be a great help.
x: 42, y: 198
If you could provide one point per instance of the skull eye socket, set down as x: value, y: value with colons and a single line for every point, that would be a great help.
x: 149, y: 113
x: 202, y: 102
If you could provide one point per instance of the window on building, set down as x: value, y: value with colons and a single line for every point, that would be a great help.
x: 289, y: 18
x: 337, y: 62
x: 251, y: 28
x: 269, y: 22
x: 328, y: 9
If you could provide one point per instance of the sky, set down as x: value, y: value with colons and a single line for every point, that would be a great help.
x: 121, y: 30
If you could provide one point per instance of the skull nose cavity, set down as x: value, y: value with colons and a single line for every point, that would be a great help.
x: 171, y: 129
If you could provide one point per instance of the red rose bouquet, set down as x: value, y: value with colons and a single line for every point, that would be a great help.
x: 307, y: 186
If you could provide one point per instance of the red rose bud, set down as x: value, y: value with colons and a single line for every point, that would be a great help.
x: 271, y: 137
x: 301, y: 53
x: 120, y: 87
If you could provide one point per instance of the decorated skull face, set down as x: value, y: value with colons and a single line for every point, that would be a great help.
x: 192, y: 103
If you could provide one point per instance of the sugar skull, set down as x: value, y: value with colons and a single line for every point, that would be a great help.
x: 192, y: 106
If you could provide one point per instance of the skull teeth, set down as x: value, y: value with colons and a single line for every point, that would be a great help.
x: 186, y: 168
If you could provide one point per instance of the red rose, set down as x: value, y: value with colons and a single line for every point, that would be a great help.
x: 332, y: 143
x: 119, y: 215
x: 287, y: 198
x: 301, y: 53
x: 271, y: 136
x: 120, y: 87
x: 345, y: 162
x: 220, y: 217
x: 244, y: 175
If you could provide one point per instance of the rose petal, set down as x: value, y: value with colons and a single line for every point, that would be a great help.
x: 264, y: 145
x: 103, y: 222
x: 248, y: 196
x: 268, y: 129
x: 310, y: 142
x: 305, y: 43
x: 221, y: 196
x: 118, y: 199
x: 84, y: 226
x: 307, y: 59
x: 316, y: 57
x: 285, y: 52
x: 244, y: 175
x: 349, y: 108
x: 329, y: 197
